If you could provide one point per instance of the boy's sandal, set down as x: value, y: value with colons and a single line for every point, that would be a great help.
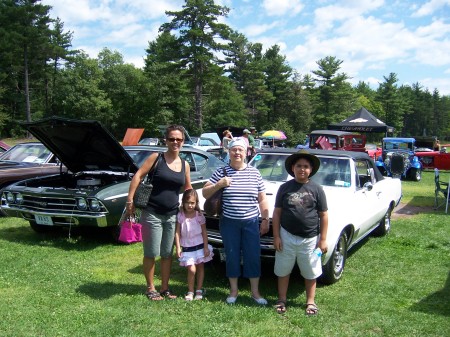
x: 168, y: 293
x: 311, y: 309
x: 280, y: 306
x: 153, y: 295
x: 189, y: 296
x: 199, y: 294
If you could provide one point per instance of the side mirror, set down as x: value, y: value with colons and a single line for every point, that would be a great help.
x: 368, y: 186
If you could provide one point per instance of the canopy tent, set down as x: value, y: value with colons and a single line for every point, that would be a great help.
x: 361, y: 121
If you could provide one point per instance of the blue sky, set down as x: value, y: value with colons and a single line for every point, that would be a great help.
x: 373, y: 38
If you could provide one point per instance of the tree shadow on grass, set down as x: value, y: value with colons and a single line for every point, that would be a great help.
x: 103, y: 291
x: 80, y: 239
x: 436, y: 303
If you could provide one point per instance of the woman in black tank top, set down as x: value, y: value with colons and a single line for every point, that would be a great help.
x: 158, y: 219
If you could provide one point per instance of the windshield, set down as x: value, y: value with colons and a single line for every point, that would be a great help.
x: 30, y: 153
x: 398, y: 146
x: 333, y: 171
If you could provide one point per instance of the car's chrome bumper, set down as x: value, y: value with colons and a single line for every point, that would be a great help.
x: 62, y: 219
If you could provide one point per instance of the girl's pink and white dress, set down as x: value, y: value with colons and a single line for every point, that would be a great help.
x: 191, y: 236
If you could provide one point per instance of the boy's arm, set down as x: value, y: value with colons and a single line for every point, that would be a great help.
x: 323, y: 231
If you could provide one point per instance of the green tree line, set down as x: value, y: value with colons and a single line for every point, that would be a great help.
x: 198, y: 72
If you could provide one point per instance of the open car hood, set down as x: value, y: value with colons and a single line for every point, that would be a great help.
x: 82, y: 145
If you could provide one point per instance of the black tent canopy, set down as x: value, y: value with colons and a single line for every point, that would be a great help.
x: 361, y: 121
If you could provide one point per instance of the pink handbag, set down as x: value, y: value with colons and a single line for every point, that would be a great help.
x: 130, y: 231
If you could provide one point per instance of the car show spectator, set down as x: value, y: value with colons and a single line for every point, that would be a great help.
x: 300, y: 224
x: 243, y: 200
x: 246, y: 138
x: 158, y: 219
x: 227, y: 138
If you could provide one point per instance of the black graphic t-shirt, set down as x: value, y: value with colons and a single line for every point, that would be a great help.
x: 300, y: 204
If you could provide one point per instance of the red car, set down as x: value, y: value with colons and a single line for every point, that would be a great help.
x: 337, y: 140
x: 3, y: 146
x: 373, y: 151
x: 434, y: 159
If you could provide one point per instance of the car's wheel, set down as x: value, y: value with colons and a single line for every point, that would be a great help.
x: 415, y: 174
x: 333, y: 269
x: 384, y: 226
x: 41, y: 228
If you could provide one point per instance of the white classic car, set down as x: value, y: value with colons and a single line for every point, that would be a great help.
x: 360, y: 201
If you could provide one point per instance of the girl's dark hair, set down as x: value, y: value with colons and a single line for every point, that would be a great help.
x: 186, y: 195
x: 174, y: 127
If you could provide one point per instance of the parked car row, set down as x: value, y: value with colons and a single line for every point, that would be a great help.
x: 92, y: 190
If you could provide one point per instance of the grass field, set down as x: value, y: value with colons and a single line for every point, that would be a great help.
x: 84, y: 285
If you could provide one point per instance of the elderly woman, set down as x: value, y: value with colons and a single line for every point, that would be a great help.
x: 244, y: 199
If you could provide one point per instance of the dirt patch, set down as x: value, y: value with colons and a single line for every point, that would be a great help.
x: 406, y: 210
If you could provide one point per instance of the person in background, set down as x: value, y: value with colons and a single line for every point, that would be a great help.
x: 191, y: 242
x: 246, y: 139
x: 227, y: 138
x: 243, y: 200
x: 300, y: 225
x: 251, y: 141
x: 159, y: 217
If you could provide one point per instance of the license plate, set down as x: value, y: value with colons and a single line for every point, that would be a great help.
x: 43, y: 220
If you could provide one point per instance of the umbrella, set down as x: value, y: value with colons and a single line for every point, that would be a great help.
x: 274, y: 134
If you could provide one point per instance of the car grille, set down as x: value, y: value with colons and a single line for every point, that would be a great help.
x: 397, y: 164
x: 56, y: 205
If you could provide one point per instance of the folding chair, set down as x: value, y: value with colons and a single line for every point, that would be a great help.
x: 440, y: 187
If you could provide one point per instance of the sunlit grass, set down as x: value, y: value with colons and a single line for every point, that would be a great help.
x: 53, y: 285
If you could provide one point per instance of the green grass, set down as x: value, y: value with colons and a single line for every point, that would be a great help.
x: 53, y: 285
x: 421, y: 193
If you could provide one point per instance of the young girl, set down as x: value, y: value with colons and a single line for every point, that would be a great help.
x: 192, y: 243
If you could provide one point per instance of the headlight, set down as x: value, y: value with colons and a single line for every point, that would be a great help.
x: 19, y: 198
x: 10, y: 197
x: 94, y: 205
x: 81, y: 204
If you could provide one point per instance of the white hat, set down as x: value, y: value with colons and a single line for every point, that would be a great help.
x: 246, y: 131
x: 237, y: 142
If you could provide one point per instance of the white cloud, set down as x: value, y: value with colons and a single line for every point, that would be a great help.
x: 255, y: 30
x: 282, y: 7
x: 430, y: 7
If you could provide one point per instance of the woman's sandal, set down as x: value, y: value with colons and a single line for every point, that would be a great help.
x: 280, y: 306
x: 153, y: 295
x: 311, y: 309
x: 199, y: 294
x: 189, y: 296
x: 168, y: 293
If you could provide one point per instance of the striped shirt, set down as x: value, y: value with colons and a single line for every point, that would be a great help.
x: 240, y: 199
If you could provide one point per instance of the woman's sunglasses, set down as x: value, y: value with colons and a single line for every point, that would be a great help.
x: 172, y: 140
